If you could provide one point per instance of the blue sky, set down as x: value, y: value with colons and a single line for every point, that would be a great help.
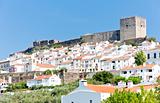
x: 23, y: 21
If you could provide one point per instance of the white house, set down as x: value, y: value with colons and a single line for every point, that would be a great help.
x: 153, y: 55
x: 4, y: 66
x: 117, y: 63
x: 44, y: 80
x: 87, y: 93
x: 3, y: 84
x: 148, y: 72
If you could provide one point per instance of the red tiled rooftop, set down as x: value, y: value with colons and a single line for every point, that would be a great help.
x: 101, y: 88
x: 42, y: 77
x: 137, y: 88
x: 147, y: 66
x: 45, y: 65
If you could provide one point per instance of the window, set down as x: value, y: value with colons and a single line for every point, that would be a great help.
x: 127, y: 26
x: 148, y: 56
x: 150, y: 77
x: 141, y: 70
x: 124, y: 72
x: 159, y: 55
x: 86, y: 61
x: 150, y: 70
x: 90, y: 101
x: 155, y: 55
x: 113, y: 61
x: 130, y: 72
x: 113, y: 67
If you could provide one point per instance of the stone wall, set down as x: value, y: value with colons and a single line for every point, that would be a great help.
x: 71, y: 77
x: 71, y: 42
x: 18, y: 77
x: 102, y: 36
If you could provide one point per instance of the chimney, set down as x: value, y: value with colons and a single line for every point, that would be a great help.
x: 134, y: 65
x: 9, y: 79
x: 82, y: 83
x: 35, y: 76
x: 129, y: 84
x: 144, y: 64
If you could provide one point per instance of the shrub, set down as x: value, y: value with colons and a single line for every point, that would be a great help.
x: 117, y: 79
x: 40, y: 95
x: 47, y: 72
x: 104, y: 76
x: 91, y: 81
x: 135, y: 80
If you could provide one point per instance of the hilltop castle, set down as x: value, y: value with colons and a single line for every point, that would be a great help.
x: 130, y: 28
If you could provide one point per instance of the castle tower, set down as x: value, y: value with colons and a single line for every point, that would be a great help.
x: 132, y: 27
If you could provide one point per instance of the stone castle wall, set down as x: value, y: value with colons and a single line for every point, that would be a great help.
x: 102, y: 36
x: 130, y: 28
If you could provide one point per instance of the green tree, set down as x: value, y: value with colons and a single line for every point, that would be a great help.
x: 132, y: 97
x: 158, y: 79
x: 40, y: 95
x: 91, y: 81
x: 135, y: 80
x: 118, y: 78
x: 18, y: 85
x: 104, y: 76
x: 55, y: 71
x: 140, y: 58
x: 61, y: 73
x: 47, y: 72
x: 57, y: 45
x: 152, y: 39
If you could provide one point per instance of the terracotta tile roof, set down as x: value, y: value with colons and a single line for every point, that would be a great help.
x: 106, y: 59
x: 98, y: 56
x: 147, y: 66
x: 111, y: 89
x: 79, y: 57
x: 3, y: 81
x: 125, y: 57
x: 51, y: 59
x: 156, y: 48
x: 45, y: 65
x: 42, y: 77
x: 67, y: 62
x: 137, y: 88
x: 60, y: 48
x: 101, y: 88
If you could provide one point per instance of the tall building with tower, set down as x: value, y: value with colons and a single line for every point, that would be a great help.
x: 132, y: 28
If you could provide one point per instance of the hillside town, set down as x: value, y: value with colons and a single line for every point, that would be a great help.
x: 115, y: 56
